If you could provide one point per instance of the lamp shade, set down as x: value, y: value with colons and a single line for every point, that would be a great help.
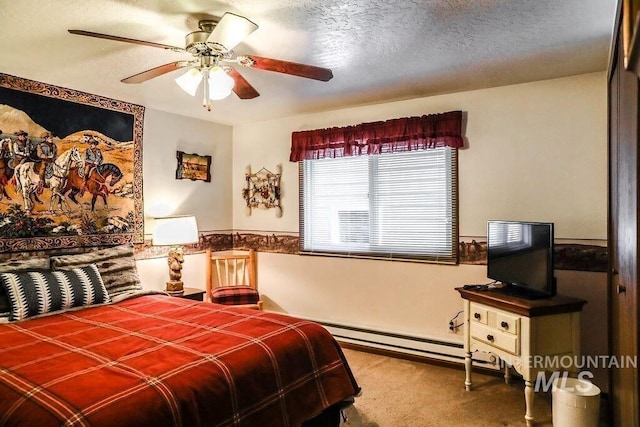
x: 220, y: 84
x: 189, y: 81
x: 175, y: 230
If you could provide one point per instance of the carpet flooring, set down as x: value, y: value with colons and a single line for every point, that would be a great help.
x: 403, y: 393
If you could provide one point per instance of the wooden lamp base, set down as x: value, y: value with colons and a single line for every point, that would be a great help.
x: 175, y: 287
x: 175, y: 258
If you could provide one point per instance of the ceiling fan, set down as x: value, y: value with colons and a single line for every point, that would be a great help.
x: 213, y: 60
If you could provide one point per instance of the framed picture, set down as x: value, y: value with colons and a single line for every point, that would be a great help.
x: 193, y: 167
x: 70, y: 168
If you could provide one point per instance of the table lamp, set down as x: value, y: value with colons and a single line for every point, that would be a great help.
x: 175, y: 231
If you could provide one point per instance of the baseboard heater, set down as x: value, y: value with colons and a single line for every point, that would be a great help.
x: 407, y: 344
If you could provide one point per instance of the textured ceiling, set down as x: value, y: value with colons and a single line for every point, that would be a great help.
x: 379, y: 50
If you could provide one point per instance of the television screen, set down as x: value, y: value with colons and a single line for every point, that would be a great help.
x: 520, y: 255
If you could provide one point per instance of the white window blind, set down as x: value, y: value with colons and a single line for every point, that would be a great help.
x: 391, y: 205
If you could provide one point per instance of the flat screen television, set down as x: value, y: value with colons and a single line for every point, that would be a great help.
x: 520, y: 255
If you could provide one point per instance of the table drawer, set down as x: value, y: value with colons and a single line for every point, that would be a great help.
x: 478, y: 313
x: 507, y: 323
x: 496, y: 338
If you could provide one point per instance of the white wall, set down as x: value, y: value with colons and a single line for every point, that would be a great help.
x: 536, y: 151
x: 163, y: 194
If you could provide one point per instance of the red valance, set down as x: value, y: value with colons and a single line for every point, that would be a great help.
x: 405, y: 134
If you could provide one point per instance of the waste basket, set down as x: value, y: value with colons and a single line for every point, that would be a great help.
x: 575, y: 403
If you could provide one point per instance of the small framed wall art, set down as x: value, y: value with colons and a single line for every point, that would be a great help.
x: 262, y: 190
x: 193, y: 167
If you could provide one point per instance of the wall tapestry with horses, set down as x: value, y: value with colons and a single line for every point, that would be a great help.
x: 70, y: 168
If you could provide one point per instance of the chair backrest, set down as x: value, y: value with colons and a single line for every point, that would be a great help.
x: 231, y: 270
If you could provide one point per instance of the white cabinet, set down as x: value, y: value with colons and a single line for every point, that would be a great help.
x: 525, y: 334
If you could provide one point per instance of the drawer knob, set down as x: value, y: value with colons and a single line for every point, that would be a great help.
x: 505, y: 325
x: 476, y: 316
x: 490, y: 338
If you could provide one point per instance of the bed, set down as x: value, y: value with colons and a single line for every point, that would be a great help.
x: 141, y: 359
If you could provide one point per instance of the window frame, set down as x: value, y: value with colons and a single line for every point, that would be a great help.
x: 452, y: 259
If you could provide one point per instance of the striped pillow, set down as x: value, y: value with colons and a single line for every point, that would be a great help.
x: 38, y: 292
x: 15, y: 265
x: 116, y: 266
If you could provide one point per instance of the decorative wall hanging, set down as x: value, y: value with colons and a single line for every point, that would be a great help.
x: 193, y: 167
x: 70, y: 168
x: 262, y: 190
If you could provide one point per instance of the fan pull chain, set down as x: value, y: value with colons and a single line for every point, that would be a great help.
x: 206, y: 102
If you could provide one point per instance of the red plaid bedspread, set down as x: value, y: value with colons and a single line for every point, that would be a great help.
x: 162, y: 361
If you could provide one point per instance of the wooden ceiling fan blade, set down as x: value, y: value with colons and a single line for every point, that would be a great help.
x: 155, y: 72
x: 242, y: 88
x: 231, y: 30
x: 293, y: 68
x: 125, y: 39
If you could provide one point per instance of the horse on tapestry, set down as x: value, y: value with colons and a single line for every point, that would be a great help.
x: 27, y: 179
x: 6, y: 172
x: 96, y: 182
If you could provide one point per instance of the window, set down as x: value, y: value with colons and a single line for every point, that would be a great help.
x: 391, y: 205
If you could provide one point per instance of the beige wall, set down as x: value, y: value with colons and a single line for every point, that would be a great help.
x: 536, y: 151
x: 164, y: 134
x: 163, y: 194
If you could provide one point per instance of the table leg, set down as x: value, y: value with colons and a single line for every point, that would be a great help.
x: 528, y: 399
x: 467, y: 369
x: 507, y: 373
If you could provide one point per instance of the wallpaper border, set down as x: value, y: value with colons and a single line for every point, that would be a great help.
x: 568, y: 256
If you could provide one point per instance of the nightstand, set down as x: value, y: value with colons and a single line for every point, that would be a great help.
x: 522, y: 333
x: 192, y: 293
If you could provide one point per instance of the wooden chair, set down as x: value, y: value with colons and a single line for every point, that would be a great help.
x: 231, y: 279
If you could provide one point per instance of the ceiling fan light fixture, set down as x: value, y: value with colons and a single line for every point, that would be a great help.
x: 220, y: 84
x: 190, y: 81
x: 231, y: 30
x: 211, y: 48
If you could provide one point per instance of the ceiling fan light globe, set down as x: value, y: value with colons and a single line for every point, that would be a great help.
x: 218, y: 94
x: 190, y: 81
x: 220, y: 84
